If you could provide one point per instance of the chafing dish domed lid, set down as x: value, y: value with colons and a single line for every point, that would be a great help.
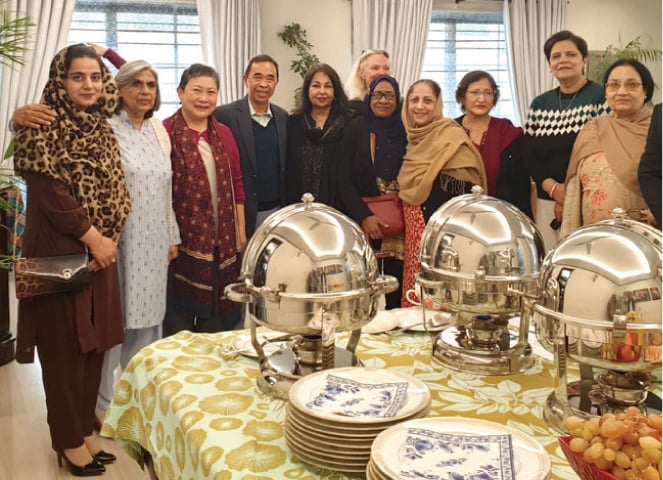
x: 309, y: 248
x: 613, y: 266
x: 475, y: 235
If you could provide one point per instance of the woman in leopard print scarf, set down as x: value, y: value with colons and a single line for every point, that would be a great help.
x: 77, y: 199
x: 81, y: 150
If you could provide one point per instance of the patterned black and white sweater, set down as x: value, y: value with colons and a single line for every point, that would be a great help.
x: 553, y: 122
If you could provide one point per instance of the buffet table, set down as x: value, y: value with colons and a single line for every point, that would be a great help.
x: 193, y: 405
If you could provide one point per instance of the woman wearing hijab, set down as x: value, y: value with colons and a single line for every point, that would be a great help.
x: 145, y: 151
x: 382, y: 113
x: 603, y: 171
x: 78, y: 200
x: 440, y: 163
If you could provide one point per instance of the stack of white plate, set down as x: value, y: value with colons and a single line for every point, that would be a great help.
x: 448, y: 447
x: 334, y: 415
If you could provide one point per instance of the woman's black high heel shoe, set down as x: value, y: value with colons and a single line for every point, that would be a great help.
x: 104, y: 457
x: 92, y: 469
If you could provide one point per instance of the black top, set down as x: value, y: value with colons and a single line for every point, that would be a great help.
x: 332, y: 163
x: 649, y: 171
x: 237, y: 117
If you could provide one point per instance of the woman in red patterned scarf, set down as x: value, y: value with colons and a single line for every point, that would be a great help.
x: 208, y: 199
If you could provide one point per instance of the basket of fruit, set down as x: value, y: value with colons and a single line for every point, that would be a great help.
x: 585, y: 470
x: 615, y: 446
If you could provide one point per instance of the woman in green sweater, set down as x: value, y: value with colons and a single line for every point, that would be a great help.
x: 553, y: 122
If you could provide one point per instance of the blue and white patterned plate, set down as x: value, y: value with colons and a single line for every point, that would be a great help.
x: 350, y: 398
x: 458, y: 449
x: 440, y: 456
x: 359, y: 395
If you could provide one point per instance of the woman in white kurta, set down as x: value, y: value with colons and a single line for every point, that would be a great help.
x: 150, y: 236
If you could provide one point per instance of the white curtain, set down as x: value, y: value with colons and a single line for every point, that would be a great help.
x: 23, y: 84
x: 529, y: 23
x: 398, y: 26
x: 230, y: 34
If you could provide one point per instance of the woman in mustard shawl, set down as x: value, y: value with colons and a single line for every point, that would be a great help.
x: 603, y: 171
x: 440, y: 163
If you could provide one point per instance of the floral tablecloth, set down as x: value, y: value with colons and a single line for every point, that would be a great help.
x: 196, y: 409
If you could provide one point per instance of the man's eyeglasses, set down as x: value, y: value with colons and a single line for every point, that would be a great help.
x: 81, y: 77
x: 377, y: 96
x: 629, y: 86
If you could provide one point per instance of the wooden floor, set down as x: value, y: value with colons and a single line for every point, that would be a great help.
x: 25, y: 445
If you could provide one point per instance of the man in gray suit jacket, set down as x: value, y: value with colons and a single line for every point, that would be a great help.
x: 259, y: 128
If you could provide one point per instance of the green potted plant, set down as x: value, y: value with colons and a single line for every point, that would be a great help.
x: 14, y: 38
x: 294, y: 36
x: 634, y: 49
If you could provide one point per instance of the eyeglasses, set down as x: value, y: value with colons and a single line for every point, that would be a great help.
x: 138, y: 85
x: 629, y: 86
x: 377, y: 96
x: 259, y: 78
x: 81, y: 77
x: 478, y: 93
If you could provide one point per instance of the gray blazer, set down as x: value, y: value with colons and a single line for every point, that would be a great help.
x: 237, y: 117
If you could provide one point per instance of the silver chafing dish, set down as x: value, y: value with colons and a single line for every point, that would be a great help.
x: 308, y: 271
x: 600, y: 311
x: 480, y: 258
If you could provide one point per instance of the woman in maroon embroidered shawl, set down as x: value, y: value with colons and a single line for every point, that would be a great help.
x: 208, y: 198
x: 497, y: 139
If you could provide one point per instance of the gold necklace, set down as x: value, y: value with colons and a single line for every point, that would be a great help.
x: 568, y: 105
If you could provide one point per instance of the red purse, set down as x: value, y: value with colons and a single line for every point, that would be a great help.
x: 389, y: 208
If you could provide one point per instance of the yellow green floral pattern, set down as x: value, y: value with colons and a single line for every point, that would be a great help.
x: 198, y: 412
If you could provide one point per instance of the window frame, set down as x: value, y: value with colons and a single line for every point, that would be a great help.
x: 442, y: 14
x: 169, y: 71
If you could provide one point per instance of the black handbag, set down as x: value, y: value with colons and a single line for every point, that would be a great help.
x: 46, y: 275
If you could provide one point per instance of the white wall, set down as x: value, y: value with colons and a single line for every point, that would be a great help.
x: 603, y: 22
x: 329, y: 28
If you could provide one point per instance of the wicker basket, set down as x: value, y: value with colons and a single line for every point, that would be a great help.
x: 586, y: 471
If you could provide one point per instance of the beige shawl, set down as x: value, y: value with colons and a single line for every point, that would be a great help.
x: 441, y: 146
x: 623, y: 141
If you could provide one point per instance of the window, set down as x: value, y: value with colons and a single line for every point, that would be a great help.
x: 165, y: 33
x: 462, y: 41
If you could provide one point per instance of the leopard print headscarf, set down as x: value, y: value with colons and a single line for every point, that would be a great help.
x: 80, y: 150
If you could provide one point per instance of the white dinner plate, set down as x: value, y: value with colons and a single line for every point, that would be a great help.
x: 242, y: 343
x: 323, y: 461
x: 373, y: 473
x: 350, y: 435
x: 412, y: 319
x: 332, y: 452
x: 312, y: 387
x: 354, y: 430
x: 530, y: 460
